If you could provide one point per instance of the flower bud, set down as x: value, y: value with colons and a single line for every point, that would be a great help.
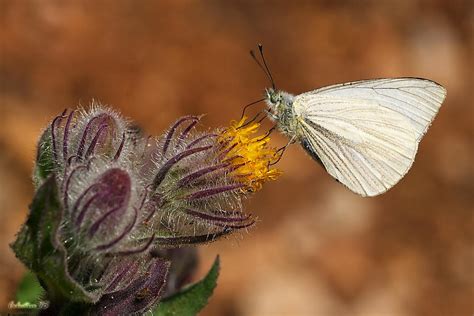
x: 113, y: 207
x: 78, y: 135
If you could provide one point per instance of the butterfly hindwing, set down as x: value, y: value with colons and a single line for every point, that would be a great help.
x: 366, y: 147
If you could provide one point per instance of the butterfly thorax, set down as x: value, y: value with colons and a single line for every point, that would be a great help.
x: 280, y: 104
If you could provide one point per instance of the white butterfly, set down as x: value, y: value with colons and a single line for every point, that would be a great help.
x: 365, y: 133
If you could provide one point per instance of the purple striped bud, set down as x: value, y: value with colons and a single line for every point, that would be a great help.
x: 125, y: 203
x: 76, y: 136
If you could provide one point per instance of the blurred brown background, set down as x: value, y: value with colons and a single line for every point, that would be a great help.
x: 318, y: 249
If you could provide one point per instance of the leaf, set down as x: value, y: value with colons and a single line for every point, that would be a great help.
x: 192, y: 299
x: 29, y: 290
x: 38, y: 248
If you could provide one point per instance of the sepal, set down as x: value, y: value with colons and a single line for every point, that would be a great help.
x: 38, y: 248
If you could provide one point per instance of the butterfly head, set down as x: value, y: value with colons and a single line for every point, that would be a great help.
x: 273, y: 98
x: 278, y: 100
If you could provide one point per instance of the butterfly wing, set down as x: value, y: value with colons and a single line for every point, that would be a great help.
x: 366, y: 147
x: 418, y: 100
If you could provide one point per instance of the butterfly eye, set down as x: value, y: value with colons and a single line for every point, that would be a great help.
x: 275, y: 97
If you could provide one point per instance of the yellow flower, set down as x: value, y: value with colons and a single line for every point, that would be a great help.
x: 249, y: 154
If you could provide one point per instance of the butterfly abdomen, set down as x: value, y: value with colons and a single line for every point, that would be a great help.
x: 310, y: 151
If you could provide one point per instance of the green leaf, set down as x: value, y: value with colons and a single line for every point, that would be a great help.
x: 29, y: 290
x: 189, y: 301
x: 38, y: 248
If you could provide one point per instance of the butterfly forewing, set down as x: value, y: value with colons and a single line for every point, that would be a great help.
x: 367, y: 147
x: 418, y: 100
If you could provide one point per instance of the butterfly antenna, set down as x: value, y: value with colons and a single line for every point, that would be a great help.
x: 260, y: 48
x: 264, y: 69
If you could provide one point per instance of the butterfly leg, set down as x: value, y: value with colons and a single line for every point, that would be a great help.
x: 249, y: 105
x: 271, y: 115
x: 268, y: 133
x: 281, y: 150
x: 253, y: 119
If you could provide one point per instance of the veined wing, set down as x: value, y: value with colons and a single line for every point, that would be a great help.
x: 416, y: 99
x: 366, y: 147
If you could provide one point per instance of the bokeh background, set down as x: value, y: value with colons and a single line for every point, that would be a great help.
x: 318, y: 249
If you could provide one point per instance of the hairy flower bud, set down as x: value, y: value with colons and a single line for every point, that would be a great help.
x: 112, y: 207
x: 192, y: 198
x: 78, y: 135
